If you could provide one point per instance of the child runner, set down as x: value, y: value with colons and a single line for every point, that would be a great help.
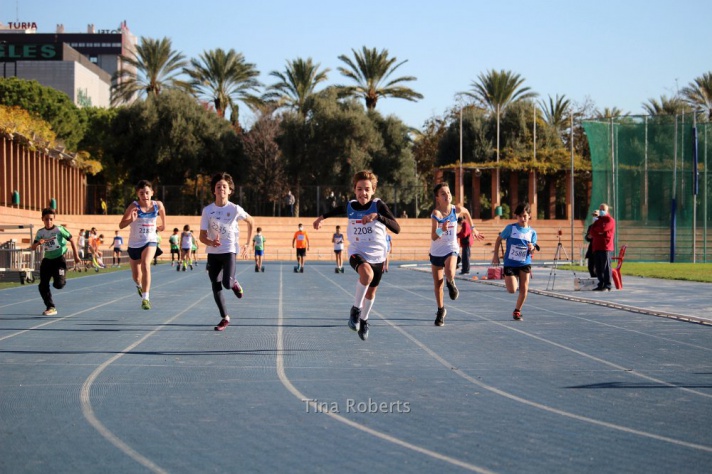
x: 81, y: 244
x: 186, y: 244
x: 141, y: 215
x: 159, y: 252
x: 389, y: 249
x: 220, y: 233
x: 368, y: 220
x: 338, y: 240
x: 194, y: 249
x: 444, y: 246
x: 53, y: 238
x: 174, y: 241
x: 116, y: 244
x: 520, y: 244
x: 301, y: 239
x: 258, y: 244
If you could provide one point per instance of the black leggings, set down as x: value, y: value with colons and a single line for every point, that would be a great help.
x: 55, y: 269
x: 217, y: 263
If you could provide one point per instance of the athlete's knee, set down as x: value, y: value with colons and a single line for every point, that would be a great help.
x: 217, y: 287
x: 59, y: 282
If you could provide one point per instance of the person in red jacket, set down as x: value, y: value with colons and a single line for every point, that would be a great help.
x: 602, y: 245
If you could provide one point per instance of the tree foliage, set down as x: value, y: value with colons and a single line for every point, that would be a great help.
x: 225, y: 79
x: 699, y: 94
x: 51, y: 105
x: 371, y: 70
x: 170, y: 139
x: 155, y: 66
x: 297, y: 83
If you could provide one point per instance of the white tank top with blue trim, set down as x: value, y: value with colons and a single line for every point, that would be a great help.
x: 447, y: 243
x: 143, y: 229
x: 366, y: 240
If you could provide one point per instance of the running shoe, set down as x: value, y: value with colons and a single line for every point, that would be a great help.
x: 184, y: 267
x: 49, y: 312
x: 516, y: 314
x: 342, y: 269
x: 354, y: 318
x: 222, y: 324
x: 237, y: 289
x: 178, y: 267
x: 440, y: 317
x: 145, y: 304
x: 363, y: 329
x: 452, y: 289
x: 301, y: 270
x: 140, y: 292
x: 191, y: 266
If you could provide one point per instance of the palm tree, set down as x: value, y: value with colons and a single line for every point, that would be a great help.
x: 153, y: 67
x: 298, y: 81
x: 699, y: 94
x: 557, y: 112
x: 608, y: 113
x: 226, y: 78
x: 371, y: 72
x: 496, y: 90
x: 672, y: 106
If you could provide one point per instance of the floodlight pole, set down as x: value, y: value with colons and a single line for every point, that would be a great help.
x: 571, y: 217
x: 460, y: 187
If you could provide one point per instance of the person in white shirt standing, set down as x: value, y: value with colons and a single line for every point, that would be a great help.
x: 220, y: 233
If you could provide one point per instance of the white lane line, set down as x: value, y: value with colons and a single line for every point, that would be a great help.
x: 132, y: 294
x: 303, y: 398
x: 625, y: 429
x: 576, y: 351
x: 88, y: 411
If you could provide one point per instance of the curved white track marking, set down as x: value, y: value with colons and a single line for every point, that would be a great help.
x: 132, y: 294
x: 88, y: 411
x: 541, y: 406
x: 575, y: 351
x: 299, y: 395
x: 65, y: 290
x: 495, y: 390
x: 634, y: 331
x: 56, y: 320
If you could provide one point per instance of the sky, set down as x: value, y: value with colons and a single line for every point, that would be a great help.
x: 615, y: 53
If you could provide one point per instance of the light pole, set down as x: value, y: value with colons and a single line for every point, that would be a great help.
x: 460, y: 188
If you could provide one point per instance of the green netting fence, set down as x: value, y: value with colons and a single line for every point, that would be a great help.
x: 653, y: 173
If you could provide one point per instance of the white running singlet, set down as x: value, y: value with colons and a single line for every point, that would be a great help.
x: 447, y: 243
x: 143, y: 229
x: 366, y: 240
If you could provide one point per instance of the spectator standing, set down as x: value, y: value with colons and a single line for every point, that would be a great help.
x: 602, y: 232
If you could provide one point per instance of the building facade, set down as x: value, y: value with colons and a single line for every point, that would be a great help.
x: 79, y: 64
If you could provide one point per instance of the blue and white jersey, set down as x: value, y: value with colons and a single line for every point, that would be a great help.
x: 366, y: 240
x: 143, y: 229
x: 118, y: 241
x: 447, y: 243
x: 516, y: 253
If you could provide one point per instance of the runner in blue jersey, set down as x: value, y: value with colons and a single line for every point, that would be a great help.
x: 368, y: 220
x: 520, y: 244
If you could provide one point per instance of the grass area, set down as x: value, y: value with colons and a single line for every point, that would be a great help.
x: 667, y: 271
x: 14, y: 280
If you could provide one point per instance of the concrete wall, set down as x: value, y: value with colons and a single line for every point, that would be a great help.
x: 411, y: 244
